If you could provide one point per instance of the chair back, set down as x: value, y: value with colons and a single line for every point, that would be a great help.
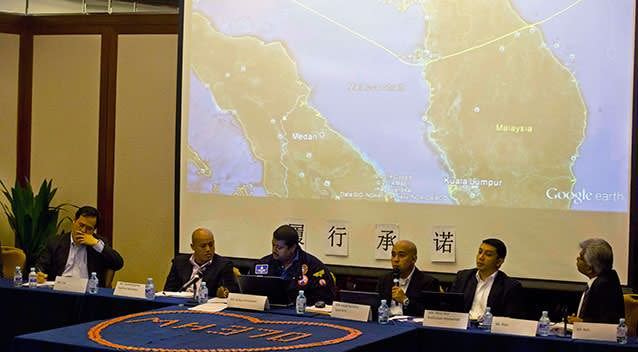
x: 108, y: 278
x: 11, y: 257
x: 631, y: 313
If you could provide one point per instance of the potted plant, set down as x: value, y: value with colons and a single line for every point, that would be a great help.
x: 32, y: 217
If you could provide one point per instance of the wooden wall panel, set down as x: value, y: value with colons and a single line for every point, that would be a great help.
x: 144, y: 155
x: 9, y: 61
x: 65, y: 115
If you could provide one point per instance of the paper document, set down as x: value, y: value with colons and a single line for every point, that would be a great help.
x: 325, y: 310
x: 175, y: 294
x: 44, y: 284
x: 213, y: 305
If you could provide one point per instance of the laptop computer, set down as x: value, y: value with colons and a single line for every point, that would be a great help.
x: 445, y: 301
x: 273, y: 287
x: 371, y: 299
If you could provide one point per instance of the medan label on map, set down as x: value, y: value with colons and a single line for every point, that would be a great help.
x: 302, y: 155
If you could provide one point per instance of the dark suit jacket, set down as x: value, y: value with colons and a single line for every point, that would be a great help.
x: 218, y: 273
x: 1, y: 265
x: 603, y: 303
x: 317, y: 282
x: 420, y: 281
x: 505, y: 298
x: 53, y: 260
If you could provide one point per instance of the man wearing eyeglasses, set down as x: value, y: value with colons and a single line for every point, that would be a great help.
x: 79, y: 253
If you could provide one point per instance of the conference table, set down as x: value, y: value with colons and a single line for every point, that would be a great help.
x: 176, y: 328
x: 47, y: 320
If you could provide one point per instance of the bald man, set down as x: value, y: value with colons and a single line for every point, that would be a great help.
x: 403, y: 295
x: 217, y: 270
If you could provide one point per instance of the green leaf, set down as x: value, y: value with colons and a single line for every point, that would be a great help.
x: 31, y: 216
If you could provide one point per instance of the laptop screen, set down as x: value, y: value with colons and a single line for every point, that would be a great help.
x: 273, y: 287
x: 444, y: 301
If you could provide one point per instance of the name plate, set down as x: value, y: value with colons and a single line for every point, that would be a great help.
x: 70, y: 284
x: 129, y: 289
x: 442, y: 319
x: 503, y: 325
x: 251, y: 302
x: 594, y: 331
x: 351, y: 311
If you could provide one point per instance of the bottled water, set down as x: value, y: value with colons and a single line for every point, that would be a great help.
x: 384, y: 312
x: 543, y: 324
x: 621, y: 332
x: 33, y: 278
x: 149, y: 289
x: 93, y: 281
x: 486, y: 321
x: 17, y: 277
x: 202, y: 295
x: 300, y: 303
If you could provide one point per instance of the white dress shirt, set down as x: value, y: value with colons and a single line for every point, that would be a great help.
x: 396, y: 308
x: 582, y: 297
x: 483, y: 288
x: 76, y: 265
x: 193, y: 273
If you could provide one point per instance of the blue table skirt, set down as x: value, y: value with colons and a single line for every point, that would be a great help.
x: 438, y: 339
x: 37, y: 309
x: 176, y: 328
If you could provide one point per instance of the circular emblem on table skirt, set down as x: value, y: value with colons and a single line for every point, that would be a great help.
x: 180, y: 330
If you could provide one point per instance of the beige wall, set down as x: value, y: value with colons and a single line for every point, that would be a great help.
x: 65, y: 115
x: 10, y: 49
x: 144, y: 155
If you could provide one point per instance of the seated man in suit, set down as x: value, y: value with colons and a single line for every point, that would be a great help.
x: 304, y: 270
x: 602, y: 301
x: 487, y: 286
x: 410, y: 281
x: 80, y: 253
x: 213, y: 269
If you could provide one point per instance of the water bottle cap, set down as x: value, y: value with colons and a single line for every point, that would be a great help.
x: 544, y: 312
x: 488, y: 309
x: 203, y: 284
x: 149, y: 279
x: 301, y: 292
x: 383, y: 301
x: 93, y: 273
x: 17, y: 267
x: 32, y: 269
x: 622, y: 320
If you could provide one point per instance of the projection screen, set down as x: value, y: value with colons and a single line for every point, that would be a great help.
x: 476, y: 118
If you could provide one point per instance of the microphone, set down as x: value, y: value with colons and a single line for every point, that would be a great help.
x: 198, y: 275
x: 396, y: 272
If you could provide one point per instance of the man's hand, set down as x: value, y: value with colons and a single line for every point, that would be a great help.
x: 42, y: 277
x: 86, y: 239
x: 222, y: 292
x: 573, y: 319
x: 398, y: 294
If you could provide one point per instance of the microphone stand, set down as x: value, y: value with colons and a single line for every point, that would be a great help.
x: 193, y: 281
x: 194, y: 299
x: 565, y: 310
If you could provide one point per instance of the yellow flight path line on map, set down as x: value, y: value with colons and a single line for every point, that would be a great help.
x: 398, y: 57
x: 507, y: 35
x: 346, y: 28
